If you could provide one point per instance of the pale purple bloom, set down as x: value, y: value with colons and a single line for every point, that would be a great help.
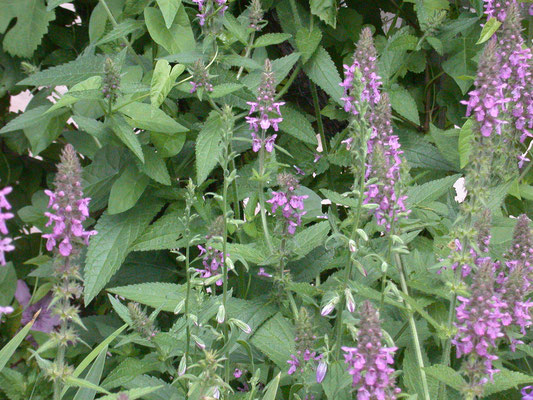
x: 47, y: 320
x: 5, y: 242
x: 327, y: 309
x: 237, y: 373
x: 263, y: 273
x: 321, y: 371
x: 5, y: 246
x: 292, y: 207
x: 527, y: 393
x: 212, y: 261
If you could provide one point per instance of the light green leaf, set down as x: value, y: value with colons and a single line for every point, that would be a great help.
x: 490, y: 27
x: 436, y: 44
x: 461, y: 68
x: 154, y: 166
x: 125, y: 133
x: 208, y: 146
x: 224, y: 89
x: 322, y: 71
x: 127, y: 190
x: 177, y: 38
x: 307, y: 42
x: 295, y: 124
x: 336, y: 381
x: 310, y: 238
x: 29, y: 119
x: 8, y: 283
x: 269, y: 39
x: 9, y: 349
x: 93, y: 376
x: 108, y: 250
x: 129, y: 369
x: 121, y: 31
x: 163, y: 78
x: 430, y: 191
x: 326, y: 10
x: 67, y: 99
x: 272, y: 388
x: 169, y: 9
x: 446, y: 375
x: 167, y: 145
x: 82, y: 383
x: 505, y: 380
x: 144, y: 116
x: 32, y: 24
x: 162, y: 234
x: 465, y: 142
x: 275, y: 339
x: 404, y: 43
x: 280, y: 66
x: 236, y: 28
x: 165, y: 296
x: 403, y: 103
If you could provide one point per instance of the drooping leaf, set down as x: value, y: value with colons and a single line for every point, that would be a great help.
x: 310, y: 238
x: 165, y: 296
x: 125, y: 133
x: 143, y: 116
x: 163, y: 78
x: 154, y: 166
x: 403, y: 103
x: 490, y: 27
x: 430, y: 191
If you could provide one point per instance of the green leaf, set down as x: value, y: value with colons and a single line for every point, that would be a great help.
x: 461, y: 68
x: 446, y: 375
x: 236, y: 28
x: 154, y: 166
x: 121, y: 31
x: 272, y: 388
x: 177, y: 38
x: 30, y: 118
x: 403, y: 103
x: 169, y: 9
x: 9, y: 349
x: 126, y: 190
x: 133, y: 394
x: 32, y: 24
x: 336, y: 382
x: 326, y: 10
x: 465, y: 142
x: 125, y: 133
x: 67, y: 99
x: 322, y: 71
x: 490, y: 27
x: 281, y: 68
x: 224, y: 89
x: 404, y: 43
x: 160, y: 295
x: 128, y: 369
x: 12, y: 384
x: 269, y: 39
x: 295, y: 124
x: 307, y: 42
x: 430, y: 191
x: 8, y: 283
x: 82, y: 383
x: 275, y: 339
x: 436, y: 44
x: 505, y: 380
x: 143, y: 116
x: 93, y: 376
x: 167, y: 145
x: 234, y: 60
x: 162, y: 234
x: 310, y: 238
x: 208, y: 147
x: 108, y: 250
x: 163, y: 78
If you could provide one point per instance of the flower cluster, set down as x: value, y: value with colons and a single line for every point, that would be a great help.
x: 69, y: 207
x: 266, y: 107
x: 515, y: 72
x: 110, y: 81
x: 384, y: 164
x: 292, y: 205
x: 207, y: 8
x: 487, y: 100
x: 200, y: 77
x: 212, y: 260
x: 365, y: 58
x: 370, y: 362
x: 5, y: 242
x: 141, y: 323
x: 481, y: 320
x: 497, y: 8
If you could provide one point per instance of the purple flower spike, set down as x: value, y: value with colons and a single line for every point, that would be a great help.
x: 370, y: 362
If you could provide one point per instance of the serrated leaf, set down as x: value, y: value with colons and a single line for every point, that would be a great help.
x: 436, y: 44
x: 224, y: 89
x: 275, y: 339
x: 307, y: 42
x: 143, y: 116
x: 336, y: 381
x: 121, y: 30
x: 326, y: 10
x: 32, y: 24
x: 208, y: 146
x: 12, y: 384
x: 404, y: 43
x: 126, y: 190
x: 125, y: 133
x: 280, y: 66
x: 162, y: 234
x: 430, y: 191
x: 236, y: 28
x: 154, y: 166
x: 505, y: 380
x: 322, y: 71
x: 240, y: 61
x: 127, y: 370
x: 269, y: 39
x: 310, y: 238
x: 133, y: 394
x: 490, y: 27
x: 177, y: 38
x: 82, y: 383
x: 109, y: 248
x: 446, y: 375
x: 167, y: 145
x: 169, y: 9
x: 295, y: 124
x: 403, y: 103
x: 29, y: 119
x: 465, y: 142
x: 165, y: 296
x: 67, y: 99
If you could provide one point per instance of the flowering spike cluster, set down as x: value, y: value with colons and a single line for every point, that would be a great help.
x: 212, y: 260
x: 515, y: 64
x: 365, y: 60
x: 255, y: 15
x: 265, y: 106
x: 305, y: 356
x: 141, y: 324
x: 200, y: 77
x: 110, y: 81
x: 370, y: 362
x: 480, y: 322
x: 5, y: 242
x: 487, y: 101
x: 497, y: 8
x: 208, y: 8
x: 292, y: 205
x: 384, y: 163
x: 68, y: 208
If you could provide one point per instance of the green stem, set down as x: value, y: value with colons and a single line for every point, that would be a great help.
x: 262, y: 194
x: 187, y: 297
x: 412, y: 325
x: 246, y: 53
x: 225, y: 270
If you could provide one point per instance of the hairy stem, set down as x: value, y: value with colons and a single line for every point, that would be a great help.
x: 262, y: 194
